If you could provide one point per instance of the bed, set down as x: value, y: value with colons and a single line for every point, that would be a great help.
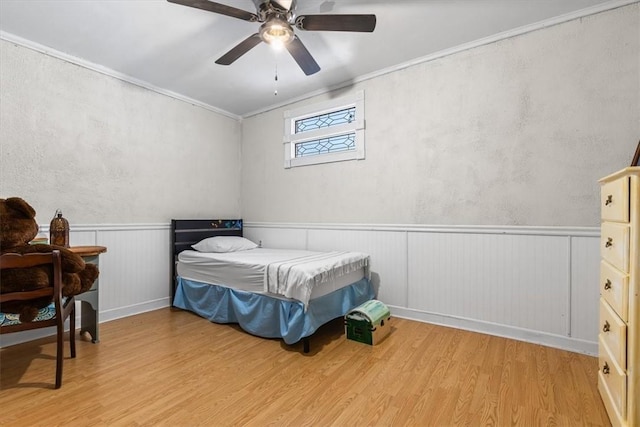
x: 271, y: 293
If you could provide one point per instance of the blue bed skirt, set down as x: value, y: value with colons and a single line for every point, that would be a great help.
x: 265, y: 316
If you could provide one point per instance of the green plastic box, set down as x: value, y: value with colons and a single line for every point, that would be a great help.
x: 368, y: 323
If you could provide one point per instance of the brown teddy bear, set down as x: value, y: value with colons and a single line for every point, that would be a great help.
x: 17, y: 228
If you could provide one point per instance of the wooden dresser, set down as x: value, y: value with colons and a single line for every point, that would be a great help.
x: 619, y: 336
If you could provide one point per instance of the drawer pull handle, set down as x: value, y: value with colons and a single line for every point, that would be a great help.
x: 609, y: 242
x: 609, y: 200
x: 607, y: 285
x: 606, y: 327
x: 605, y: 368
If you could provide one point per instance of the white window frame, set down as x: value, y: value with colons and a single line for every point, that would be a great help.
x: 291, y: 138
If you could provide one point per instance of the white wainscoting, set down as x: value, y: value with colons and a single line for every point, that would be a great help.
x: 134, y: 272
x: 536, y: 284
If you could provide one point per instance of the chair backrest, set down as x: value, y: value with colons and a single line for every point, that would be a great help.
x: 10, y: 261
x: 63, y: 310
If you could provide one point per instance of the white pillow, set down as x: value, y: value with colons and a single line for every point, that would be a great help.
x: 224, y: 244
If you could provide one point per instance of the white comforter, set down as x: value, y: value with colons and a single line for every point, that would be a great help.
x: 290, y: 273
x: 296, y: 277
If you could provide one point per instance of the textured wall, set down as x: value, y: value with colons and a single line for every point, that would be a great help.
x: 106, y: 151
x: 516, y: 132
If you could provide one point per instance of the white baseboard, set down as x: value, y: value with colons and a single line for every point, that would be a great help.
x: 8, y: 340
x: 131, y: 310
x: 105, y: 316
x: 535, y: 337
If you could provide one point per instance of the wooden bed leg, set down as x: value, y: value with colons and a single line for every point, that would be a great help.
x: 305, y: 344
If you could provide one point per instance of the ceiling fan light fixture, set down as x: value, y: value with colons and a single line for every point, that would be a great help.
x: 276, y: 32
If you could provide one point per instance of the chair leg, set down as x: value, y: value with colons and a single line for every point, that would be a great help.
x: 59, y: 353
x: 72, y: 331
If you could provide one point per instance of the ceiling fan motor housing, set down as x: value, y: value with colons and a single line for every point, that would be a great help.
x: 266, y: 9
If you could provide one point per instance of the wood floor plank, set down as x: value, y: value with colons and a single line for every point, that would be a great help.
x: 170, y: 367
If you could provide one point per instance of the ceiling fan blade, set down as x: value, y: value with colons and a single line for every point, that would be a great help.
x: 302, y: 56
x: 243, y: 47
x: 358, y: 23
x: 218, y: 8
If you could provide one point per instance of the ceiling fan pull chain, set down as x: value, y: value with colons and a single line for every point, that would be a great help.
x: 275, y: 92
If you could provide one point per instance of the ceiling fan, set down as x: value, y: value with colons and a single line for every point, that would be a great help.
x: 278, y: 19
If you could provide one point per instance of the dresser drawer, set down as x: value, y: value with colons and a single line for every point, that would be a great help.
x: 614, y: 288
x: 607, y: 399
x: 613, y: 332
x: 614, y: 245
x: 613, y: 378
x: 614, y: 200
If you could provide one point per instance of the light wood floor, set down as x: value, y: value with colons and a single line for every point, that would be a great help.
x: 173, y: 368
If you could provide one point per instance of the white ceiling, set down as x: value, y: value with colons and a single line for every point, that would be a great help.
x: 173, y: 48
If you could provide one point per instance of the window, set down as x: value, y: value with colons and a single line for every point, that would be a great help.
x: 332, y: 131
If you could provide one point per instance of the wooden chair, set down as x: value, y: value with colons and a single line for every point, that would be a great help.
x: 64, y: 308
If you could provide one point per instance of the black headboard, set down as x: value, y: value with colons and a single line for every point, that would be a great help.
x: 186, y: 232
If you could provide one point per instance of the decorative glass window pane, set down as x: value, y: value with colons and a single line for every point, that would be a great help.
x: 332, y: 144
x: 326, y: 132
x: 333, y: 118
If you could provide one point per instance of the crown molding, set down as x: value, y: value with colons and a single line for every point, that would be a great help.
x: 12, y: 38
x: 614, y: 4
x: 603, y: 7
